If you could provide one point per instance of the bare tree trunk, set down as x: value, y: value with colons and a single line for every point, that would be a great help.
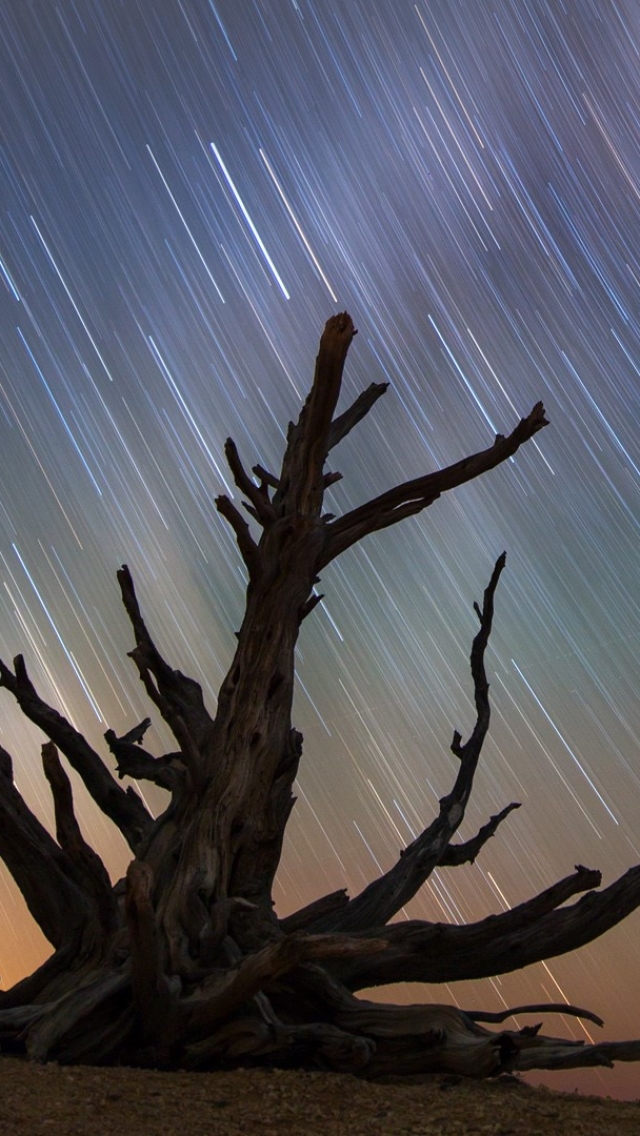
x: 185, y: 963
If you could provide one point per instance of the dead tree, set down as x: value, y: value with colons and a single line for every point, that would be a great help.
x: 185, y: 963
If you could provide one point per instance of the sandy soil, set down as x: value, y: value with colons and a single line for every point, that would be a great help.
x: 74, y: 1101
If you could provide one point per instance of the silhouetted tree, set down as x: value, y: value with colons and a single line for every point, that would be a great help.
x: 186, y: 963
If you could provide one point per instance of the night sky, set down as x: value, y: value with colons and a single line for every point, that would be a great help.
x: 188, y: 190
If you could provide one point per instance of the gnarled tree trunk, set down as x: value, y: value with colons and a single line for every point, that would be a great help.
x: 185, y: 963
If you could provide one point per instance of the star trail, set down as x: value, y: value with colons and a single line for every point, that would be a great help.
x: 189, y: 190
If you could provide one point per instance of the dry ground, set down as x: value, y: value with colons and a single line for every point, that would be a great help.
x: 48, y: 1100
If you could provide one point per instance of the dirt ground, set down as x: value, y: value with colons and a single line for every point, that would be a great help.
x: 49, y: 1100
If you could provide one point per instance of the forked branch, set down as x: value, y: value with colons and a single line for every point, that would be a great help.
x: 168, y: 771
x: 413, y: 496
x: 261, y: 507
x: 86, y: 865
x: 385, y: 896
x: 538, y: 929
x: 345, y: 422
x: 465, y: 853
x: 41, y: 869
x: 178, y: 698
x: 125, y: 809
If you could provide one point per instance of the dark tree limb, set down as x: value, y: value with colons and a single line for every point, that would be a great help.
x: 151, y: 996
x: 59, y: 967
x: 301, y: 485
x: 345, y: 422
x: 246, y: 544
x: 261, y: 967
x: 319, y: 909
x: 537, y: 929
x: 125, y: 809
x: 413, y: 496
x: 385, y: 896
x: 323, y: 911
x: 178, y: 698
x: 568, y: 1055
x: 88, y: 1025
x: 262, y: 508
x: 41, y: 869
x: 168, y: 771
x: 89, y: 870
x: 265, y: 477
x: 465, y: 853
x: 136, y: 734
x: 536, y: 1008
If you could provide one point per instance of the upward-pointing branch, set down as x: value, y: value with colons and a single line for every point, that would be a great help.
x: 413, y: 496
x: 88, y: 870
x: 345, y: 422
x: 125, y: 809
x: 178, y: 698
x: 56, y: 897
x: 301, y: 482
x: 385, y: 896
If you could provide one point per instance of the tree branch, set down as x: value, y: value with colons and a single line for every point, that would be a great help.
x: 246, y: 544
x: 90, y: 872
x: 308, y: 916
x: 536, y: 1008
x: 41, y: 869
x: 125, y: 809
x: 265, y: 477
x: 573, y: 1055
x: 345, y: 422
x: 413, y: 496
x: 262, y: 508
x: 456, y: 854
x: 86, y: 1026
x: 537, y: 929
x: 385, y: 896
x: 301, y: 486
x: 237, y: 986
x: 168, y: 771
x: 322, y: 910
x: 178, y: 698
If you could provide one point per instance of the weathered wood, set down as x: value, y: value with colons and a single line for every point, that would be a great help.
x: 246, y: 544
x: 89, y: 1025
x: 204, y: 1010
x: 301, y: 487
x: 535, y: 1008
x: 178, y: 697
x: 413, y: 496
x: 465, y: 853
x: 85, y: 864
x: 315, y: 912
x: 262, y: 509
x: 345, y: 422
x: 168, y: 771
x: 185, y: 964
x: 42, y: 870
x: 125, y: 809
x: 150, y: 986
x: 384, y: 897
x: 534, y: 930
